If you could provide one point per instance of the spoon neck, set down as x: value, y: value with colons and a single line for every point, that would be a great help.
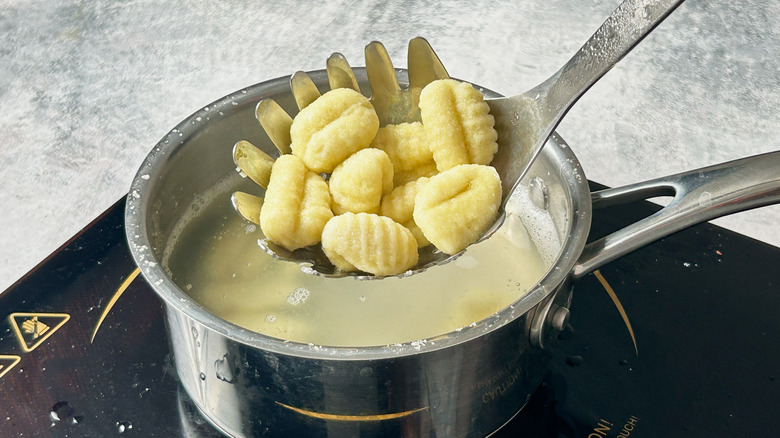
x: 618, y: 35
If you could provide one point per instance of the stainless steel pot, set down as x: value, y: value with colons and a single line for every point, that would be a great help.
x: 465, y: 384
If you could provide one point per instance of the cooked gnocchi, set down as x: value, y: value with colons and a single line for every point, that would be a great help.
x: 406, y: 176
x: 370, y: 243
x: 333, y: 127
x: 407, y: 146
x: 455, y: 207
x: 458, y: 123
x: 296, y: 206
x: 358, y: 184
x: 398, y: 205
x: 391, y: 190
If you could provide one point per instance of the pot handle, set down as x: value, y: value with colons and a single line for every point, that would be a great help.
x: 699, y: 195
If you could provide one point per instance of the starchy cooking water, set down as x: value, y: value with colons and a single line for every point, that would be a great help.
x: 217, y: 262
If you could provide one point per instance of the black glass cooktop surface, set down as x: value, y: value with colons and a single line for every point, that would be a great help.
x: 84, y: 352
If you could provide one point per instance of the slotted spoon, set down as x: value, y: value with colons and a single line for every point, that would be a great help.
x: 524, y: 122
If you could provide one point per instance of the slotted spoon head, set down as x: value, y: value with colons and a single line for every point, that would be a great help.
x: 314, y: 261
x: 393, y: 105
x: 523, y: 122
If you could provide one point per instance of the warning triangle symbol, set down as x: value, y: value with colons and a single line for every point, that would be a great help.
x: 7, y: 362
x: 32, y: 329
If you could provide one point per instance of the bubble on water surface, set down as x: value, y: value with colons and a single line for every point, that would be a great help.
x: 298, y: 296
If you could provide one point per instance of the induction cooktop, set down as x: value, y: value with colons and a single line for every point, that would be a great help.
x: 680, y: 338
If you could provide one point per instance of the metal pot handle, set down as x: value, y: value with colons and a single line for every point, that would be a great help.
x: 699, y: 195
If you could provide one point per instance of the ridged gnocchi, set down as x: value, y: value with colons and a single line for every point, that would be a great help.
x: 297, y: 204
x: 333, y: 127
x: 458, y: 123
x: 455, y: 207
x: 391, y: 190
x: 407, y: 146
x: 398, y: 205
x: 370, y: 243
x: 358, y: 184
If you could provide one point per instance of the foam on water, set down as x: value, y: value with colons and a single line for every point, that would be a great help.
x: 537, y: 221
x: 298, y: 296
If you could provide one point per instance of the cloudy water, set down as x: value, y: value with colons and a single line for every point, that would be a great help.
x: 217, y: 262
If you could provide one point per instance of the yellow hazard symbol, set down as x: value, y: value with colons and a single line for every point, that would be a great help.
x: 7, y: 362
x: 32, y: 329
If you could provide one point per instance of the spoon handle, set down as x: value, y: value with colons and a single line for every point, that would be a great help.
x: 621, y: 31
x: 541, y: 108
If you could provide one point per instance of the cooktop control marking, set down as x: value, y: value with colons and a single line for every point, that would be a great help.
x: 32, y: 329
x: 353, y: 418
x: 7, y: 362
x: 113, y: 301
x: 621, y: 310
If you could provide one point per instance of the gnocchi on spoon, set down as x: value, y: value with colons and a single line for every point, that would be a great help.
x: 523, y: 124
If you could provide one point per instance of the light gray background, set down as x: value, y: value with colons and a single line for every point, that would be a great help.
x: 88, y: 87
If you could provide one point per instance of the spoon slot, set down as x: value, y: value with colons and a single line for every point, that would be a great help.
x: 340, y: 74
x: 248, y: 206
x: 276, y: 123
x: 392, y: 105
x: 255, y: 163
x: 424, y: 67
x: 303, y: 89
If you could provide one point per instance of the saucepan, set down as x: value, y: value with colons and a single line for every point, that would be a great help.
x: 467, y: 383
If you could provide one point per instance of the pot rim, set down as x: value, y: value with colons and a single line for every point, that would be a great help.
x: 138, y: 204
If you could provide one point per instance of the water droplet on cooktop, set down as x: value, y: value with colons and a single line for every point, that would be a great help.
x: 123, y: 426
x: 202, y: 376
x: 60, y: 411
x: 574, y: 361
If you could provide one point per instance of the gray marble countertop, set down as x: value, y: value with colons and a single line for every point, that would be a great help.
x: 88, y: 87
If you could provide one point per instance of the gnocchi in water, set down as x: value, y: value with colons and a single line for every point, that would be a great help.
x: 391, y: 190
